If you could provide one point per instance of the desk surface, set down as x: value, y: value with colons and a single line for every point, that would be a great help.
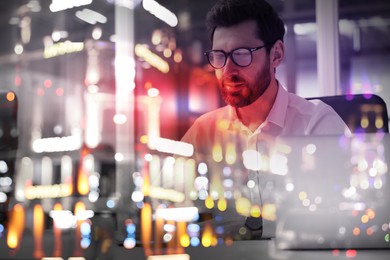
x: 239, y: 250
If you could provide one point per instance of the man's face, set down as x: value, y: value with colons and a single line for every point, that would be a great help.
x: 241, y: 86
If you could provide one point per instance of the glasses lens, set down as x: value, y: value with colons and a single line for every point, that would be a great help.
x: 242, y: 57
x: 217, y: 59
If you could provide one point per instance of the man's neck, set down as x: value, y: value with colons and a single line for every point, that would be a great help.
x: 255, y: 114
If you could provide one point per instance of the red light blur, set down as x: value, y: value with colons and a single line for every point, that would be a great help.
x: 148, y: 85
x: 60, y: 92
x: 47, y: 83
x: 18, y: 81
x: 351, y: 253
x: 40, y: 92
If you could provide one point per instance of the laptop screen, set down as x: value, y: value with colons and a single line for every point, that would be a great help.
x: 335, y: 193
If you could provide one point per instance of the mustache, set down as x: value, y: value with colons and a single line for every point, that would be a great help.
x: 233, y: 79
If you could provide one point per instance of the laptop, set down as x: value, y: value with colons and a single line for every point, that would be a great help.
x: 335, y: 193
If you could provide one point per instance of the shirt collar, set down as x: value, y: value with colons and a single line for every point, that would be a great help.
x: 277, y: 114
x: 234, y: 121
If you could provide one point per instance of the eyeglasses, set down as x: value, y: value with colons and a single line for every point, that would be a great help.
x: 241, y: 57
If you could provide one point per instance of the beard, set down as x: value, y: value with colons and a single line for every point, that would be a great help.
x: 247, y: 91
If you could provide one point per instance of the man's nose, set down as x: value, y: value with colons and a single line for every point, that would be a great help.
x: 230, y: 66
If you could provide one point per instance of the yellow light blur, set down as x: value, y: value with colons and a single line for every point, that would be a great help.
x: 146, y: 181
x: 302, y: 195
x: 364, y: 121
x: 48, y: 191
x: 269, y: 212
x: 57, y: 251
x: 156, y: 37
x: 222, y: 124
x: 10, y: 96
x: 143, y: 139
x: 185, y: 240
x: 370, y: 213
x: 62, y: 48
x: 243, y: 206
x: 207, y: 235
x: 214, y: 241
x: 177, y: 56
x: 79, y: 207
x: 82, y: 183
x: 151, y: 58
x: 12, y: 238
x: 364, y: 219
x: 222, y: 204
x: 255, y: 211
x: 217, y: 153
x: 158, y: 231
x: 39, y: 226
x: 167, y: 53
x: 56, y: 144
x: 378, y: 122
x: 146, y: 228
x: 209, y: 202
x: 181, y: 228
x: 230, y: 155
x: 15, y: 226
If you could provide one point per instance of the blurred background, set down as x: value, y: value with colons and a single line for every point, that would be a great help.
x: 96, y: 82
x: 51, y: 79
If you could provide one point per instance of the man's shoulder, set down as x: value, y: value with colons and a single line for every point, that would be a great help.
x: 304, y: 105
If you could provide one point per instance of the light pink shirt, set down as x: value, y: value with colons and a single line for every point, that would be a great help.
x: 290, y: 115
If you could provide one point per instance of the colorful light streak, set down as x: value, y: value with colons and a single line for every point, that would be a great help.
x: 151, y: 58
x: 62, y: 48
x: 146, y: 228
x: 160, y: 12
x: 57, y: 144
x: 38, y: 230
x: 179, y: 214
x: 48, y: 191
x: 57, y: 250
x: 60, y: 5
x: 79, y: 208
x: 166, y: 194
x: 16, y: 226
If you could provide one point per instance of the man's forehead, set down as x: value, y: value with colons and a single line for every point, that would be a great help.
x: 242, y: 34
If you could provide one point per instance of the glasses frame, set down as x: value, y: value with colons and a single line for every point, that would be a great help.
x: 229, y: 54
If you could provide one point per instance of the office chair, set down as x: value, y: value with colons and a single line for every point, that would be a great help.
x: 362, y: 113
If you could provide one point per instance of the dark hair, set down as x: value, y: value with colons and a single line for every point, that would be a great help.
x: 231, y: 12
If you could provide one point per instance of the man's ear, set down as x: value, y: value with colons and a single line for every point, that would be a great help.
x: 277, y: 53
